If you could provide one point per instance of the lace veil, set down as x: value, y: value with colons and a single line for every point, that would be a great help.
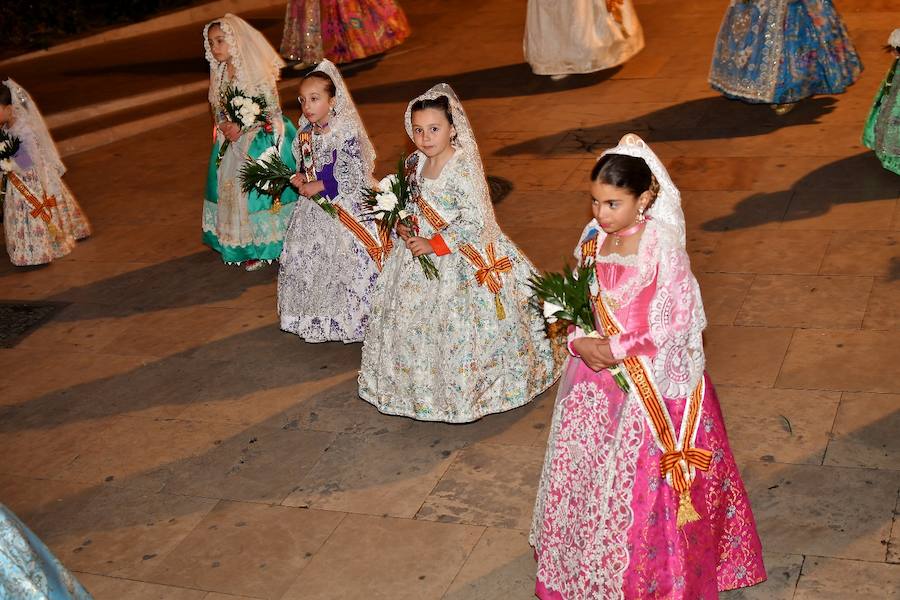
x: 257, y: 65
x: 30, y: 126
x: 677, y: 319
x: 465, y: 143
x: 347, y: 122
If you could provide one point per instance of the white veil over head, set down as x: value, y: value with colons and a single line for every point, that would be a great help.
x: 466, y: 144
x: 257, y: 65
x: 666, y: 208
x: 676, y: 314
x: 346, y: 122
x: 30, y: 126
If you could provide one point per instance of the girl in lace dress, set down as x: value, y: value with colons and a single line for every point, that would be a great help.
x: 41, y: 218
x: 467, y: 344
x: 329, y: 264
x: 245, y: 228
x: 640, y: 496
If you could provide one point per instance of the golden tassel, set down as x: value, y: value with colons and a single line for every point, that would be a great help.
x: 54, y: 230
x: 276, y: 206
x: 686, y: 511
x: 498, y: 306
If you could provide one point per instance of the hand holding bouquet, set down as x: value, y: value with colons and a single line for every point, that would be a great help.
x: 388, y: 203
x: 567, y: 296
x: 243, y: 110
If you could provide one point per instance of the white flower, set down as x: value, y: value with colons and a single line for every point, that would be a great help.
x: 387, y: 183
x: 255, y: 109
x: 7, y: 165
x: 238, y: 101
x: 550, y: 311
x: 4, y: 145
x: 386, y: 201
x: 269, y: 153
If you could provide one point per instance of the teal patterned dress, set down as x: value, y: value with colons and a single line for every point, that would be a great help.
x: 882, y: 131
x: 242, y: 226
x: 781, y: 51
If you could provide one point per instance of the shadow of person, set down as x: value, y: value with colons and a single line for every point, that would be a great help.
x: 710, y: 118
x: 494, y: 82
x: 858, y: 178
x: 194, y: 279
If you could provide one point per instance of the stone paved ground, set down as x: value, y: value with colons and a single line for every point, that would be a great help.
x: 168, y: 441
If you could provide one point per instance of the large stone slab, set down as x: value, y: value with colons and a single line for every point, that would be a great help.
x: 487, y: 485
x: 728, y: 349
x: 835, y: 579
x: 381, y: 557
x: 247, y: 549
x: 822, y: 511
x: 853, y: 361
x: 383, y: 473
x: 865, y: 432
x: 501, y: 566
x: 771, y: 425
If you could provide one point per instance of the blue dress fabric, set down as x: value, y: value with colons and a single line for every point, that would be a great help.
x: 781, y: 51
x: 28, y: 570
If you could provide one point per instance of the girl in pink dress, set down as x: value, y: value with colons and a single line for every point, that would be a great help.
x: 640, y: 496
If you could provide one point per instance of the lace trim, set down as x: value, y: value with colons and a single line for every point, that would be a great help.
x: 585, y: 492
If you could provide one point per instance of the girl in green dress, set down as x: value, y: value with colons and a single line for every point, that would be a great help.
x: 245, y: 228
x: 882, y: 132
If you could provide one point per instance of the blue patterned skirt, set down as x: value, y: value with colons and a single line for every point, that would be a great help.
x: 780, y: 51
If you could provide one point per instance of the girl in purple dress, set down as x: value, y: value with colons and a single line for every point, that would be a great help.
x: 640, y: 496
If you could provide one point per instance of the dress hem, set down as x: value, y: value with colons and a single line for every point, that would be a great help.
x: 412, y: 415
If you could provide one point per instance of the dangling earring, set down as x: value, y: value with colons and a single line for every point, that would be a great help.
x: 641, y: 218
x: 333, y: 111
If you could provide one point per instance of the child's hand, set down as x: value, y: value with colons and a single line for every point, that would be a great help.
x: 297, y: 180
x: 419, y: 246
x: 595, y: 352
x: 403, y: 231
x: 230, y: 130
x: 311, y: 188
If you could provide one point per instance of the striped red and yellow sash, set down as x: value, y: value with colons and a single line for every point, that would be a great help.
x: 487, y: 272
x: 377, y: 251
x: 39, y: 209
x: 679, y: 456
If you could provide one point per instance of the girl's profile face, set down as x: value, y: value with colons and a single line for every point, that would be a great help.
x: 220, y: 49
x: 315, y: 100
x: 432, y: 131
x: 615, y: 208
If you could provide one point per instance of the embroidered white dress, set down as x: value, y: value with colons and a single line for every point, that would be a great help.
x: 436, y: 349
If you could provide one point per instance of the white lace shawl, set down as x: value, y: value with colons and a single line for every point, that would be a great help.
x: 29, y: 126
x: 466, y: 144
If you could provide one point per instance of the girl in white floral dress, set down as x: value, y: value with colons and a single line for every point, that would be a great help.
x: 41, y: 217
x: 469, y: 343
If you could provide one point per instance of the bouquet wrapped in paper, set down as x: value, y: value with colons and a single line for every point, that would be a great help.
x: 244, y: 110
x: 307, y: 168
x: 567, y: 297
x: 388, y: 203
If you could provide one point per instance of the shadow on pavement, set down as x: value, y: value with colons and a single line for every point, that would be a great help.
x: 702, y: 119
